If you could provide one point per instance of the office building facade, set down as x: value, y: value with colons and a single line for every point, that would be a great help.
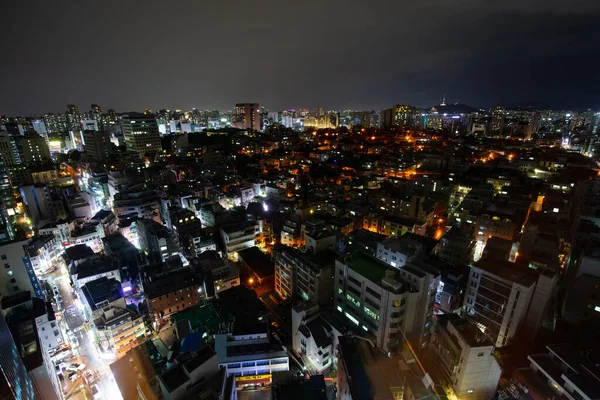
x: 247, y: 116
x: 141, y: 133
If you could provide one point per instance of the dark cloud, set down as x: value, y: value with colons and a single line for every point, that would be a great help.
x: 336, y: 54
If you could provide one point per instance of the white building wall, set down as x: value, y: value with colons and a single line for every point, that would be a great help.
x: 49, y: 333
x: 479, y: 374
x: 252, y: 364
x: 15, y: 276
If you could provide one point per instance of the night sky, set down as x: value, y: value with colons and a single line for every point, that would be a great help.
x: 353, y: 54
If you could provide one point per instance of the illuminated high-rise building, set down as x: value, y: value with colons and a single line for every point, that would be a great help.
x: 247, y: 116
x: 402, y: 116
x: 96, y: 109
x: 73, y: 116
x: 97, y: 144
x: 35, y: 148
x: 498, y: 119
x: 56, y: 123
x: 141, y: 133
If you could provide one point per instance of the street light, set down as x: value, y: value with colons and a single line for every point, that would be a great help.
x: 251, y: 281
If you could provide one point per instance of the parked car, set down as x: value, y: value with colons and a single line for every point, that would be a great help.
x: 76, y: 367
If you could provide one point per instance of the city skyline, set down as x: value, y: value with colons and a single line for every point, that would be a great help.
x: 347, y: 56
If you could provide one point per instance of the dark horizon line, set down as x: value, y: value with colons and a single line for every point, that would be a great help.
x: 536, y: 106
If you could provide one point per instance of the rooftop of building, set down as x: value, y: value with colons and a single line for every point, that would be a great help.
x: 159, y: 280
x: 250, y: 328
x: 371, y: 268
x: 78, y: 252
x: 316, y: 262
x: 134, y: 368
x: 237, y: 227
x: 401, y: 245
x: 428, y: 265
x: 300, y: 388
x: 125, y: 220
x: 499, y: 243
x: 364, y: 235
x: 15, y: 299
x: 95, y: 265
x: 228, y: 305
x: 38, y: 243
x: 102, y: 289
x: 83, y: 230
x: 370, y: 372
x: 257, y: 261
x: 402, y: 221
x: 514, y: 272
x: 154, y: 228
x: 116, y: 242
x: 196, y: 359
x: 202, y: 317
x: 103, y: 214
x: 54, y: 224
x: 113, y: 317
x: 467, y: 330
x: 428, y: 243
x: 209, y: 258
x: 320, y: 234
x: 251, y: 349
x: 319, y: 329
x: 174, y: 377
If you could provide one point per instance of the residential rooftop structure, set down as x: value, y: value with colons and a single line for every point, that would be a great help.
x: 397, y: 252
x: 116, y: 245
x: 195, y: 375
x: 224, y: 273
x: 286, y: 386
x: 119, y: 329
x: 135, y: 373
x: 95, y: 267
x: 362, y: 239
x: 249, y: 351
x: 561, y: 373
x: 316, y: 340
x: 101, y: 293
x: 171, y: 287
x: 467, y: 358
x: 239, y: 236
x: 305, y: 274
x: 156, y: 240
x: 258, y: 266
x: 144, y: 202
